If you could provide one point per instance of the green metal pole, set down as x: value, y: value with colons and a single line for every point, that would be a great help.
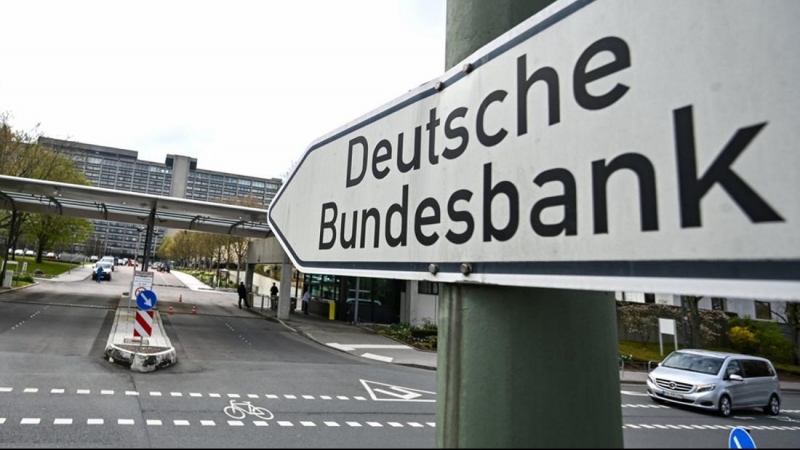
x: 522, y: 367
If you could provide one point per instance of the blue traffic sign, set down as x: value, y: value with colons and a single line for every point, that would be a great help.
x: 146, y: 300
x: 740, y: 438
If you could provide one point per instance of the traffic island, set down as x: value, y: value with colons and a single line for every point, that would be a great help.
x: 140, y: 354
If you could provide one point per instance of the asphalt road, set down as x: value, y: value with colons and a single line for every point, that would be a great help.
x: 279, y: 389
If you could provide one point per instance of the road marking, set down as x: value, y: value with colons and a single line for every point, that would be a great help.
x: 84, y: 391
x: 176, y: 394
x: 674, y: 427
x: 260, y: 423
x: 62, y: 422
x: 6, y: 389
x: 154, y: 422
x: 354, y: 424
x: 360, y: 398
x: 181, y: 423
x: 395, y: 424
x: 431, y: 424
x: 646, y: 426
x: 106, y: 392
x: 661, y: 426
x: 342, y: 397
x: 637, y: 394
x: 415, y: 424
x: 2, y: 420
x: 30, y: 421
x: 308, y: 397
x: 325, y: 397
x: 252, y: 395
x: 124, y: 421
x: 351, y: 347
x: 195, y: 394
x: 374, y: 424
x: 208, y: 423
x: 632, y: 426
x: 331, y: 424
x: 387, y: 359
x: 290, y: 397
x: 234, y: 396
x: 214, y: 395
x: 131, y: 393
x: 31, y: 390
x: 94, y: 421
x: 235, y: 423
x: 155, y: 394
x: 306, y: 423
x: 284, y: 423
x: 271, y: 396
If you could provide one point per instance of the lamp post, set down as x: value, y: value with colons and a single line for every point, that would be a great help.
x: 72, y: 249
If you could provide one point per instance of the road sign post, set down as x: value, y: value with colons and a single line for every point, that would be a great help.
x: 141, y: 281
x: 143, y: 326
x: 740, y: 438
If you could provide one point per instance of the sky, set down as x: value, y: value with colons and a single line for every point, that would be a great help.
x: 243, y: 86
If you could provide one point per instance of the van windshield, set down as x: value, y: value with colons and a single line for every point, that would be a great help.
x: 695, y: 363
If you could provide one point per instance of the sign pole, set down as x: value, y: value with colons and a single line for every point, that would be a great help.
x: 531, y: 345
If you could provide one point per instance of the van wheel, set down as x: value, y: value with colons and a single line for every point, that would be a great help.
x: 773, y: 408
x: 725, y: 406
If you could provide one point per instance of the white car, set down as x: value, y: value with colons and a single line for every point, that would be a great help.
x: 107, y: 269
x: 94, y: 258
x: 30, y: 253
x: 108, y: 259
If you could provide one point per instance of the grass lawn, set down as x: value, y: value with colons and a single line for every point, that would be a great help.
x: 49, y: 267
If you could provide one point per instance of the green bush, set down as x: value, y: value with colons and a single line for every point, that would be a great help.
x: 27, y: 277
x: 771, y: 342
x: 743, y: 340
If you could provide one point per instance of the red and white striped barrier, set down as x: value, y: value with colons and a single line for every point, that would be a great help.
x: 143, y: 327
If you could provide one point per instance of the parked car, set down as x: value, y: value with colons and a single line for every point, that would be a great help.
x: 30, y: 253
x: 94, y: 258
x: 716, y: 381
x: 19, y: 252
x: 110, y: 260
x: 50, y: 255
x: 107, y: 269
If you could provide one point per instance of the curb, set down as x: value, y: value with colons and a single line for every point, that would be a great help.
x: 141, y: 362
x: 14, y: 289
x: 398, y: 341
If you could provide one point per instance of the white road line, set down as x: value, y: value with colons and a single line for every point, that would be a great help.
x: 234, y: 396
x: 342, y: 397
x: 354, y: 424
x: 235, y: 423
x: 6, y: 389
x: 284, y: 423
x: 62, y: 422
x: 636, y: 427
x: 214, y: 395
x: 649, y: 427
x: 395, y: 424
x: 124, y: 421
x: 698, y: 427
x: 30, y: 421
x: 195, y: 394
x: 306, y: 423
x: 325, y: 397
x: 2, y: 420
x: 155, y: 393
x: 106, y: 392
x: 84, y: 391
x: 415, y: 424
x: 308, y: 397
x: 94, y: 421
x: 154, y: 422
x: 31, y: 390
x: 252, y: 395
x: 377, y: 357
x: 181, y: 423
x: 260, y: 423
x: 674, y: 427
x: 358, y: 397
x: 271, y: 396
x: 131, y: 393
x: 176, y: 394
x: 686, y: 427
x: 374, y: 424
x: 431, y: 424
x: 208, y: 423
x: 331, y: 424
x: 660, y: 426
x: 56, y: 391
x: 290, y: 397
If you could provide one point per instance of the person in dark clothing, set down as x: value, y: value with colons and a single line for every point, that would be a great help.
x: 273, y: 291
x: 242, y: 295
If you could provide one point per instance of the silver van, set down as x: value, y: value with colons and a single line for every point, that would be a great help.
x: 716, y: 381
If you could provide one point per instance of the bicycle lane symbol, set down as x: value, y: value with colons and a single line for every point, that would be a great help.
x: 240, y: 410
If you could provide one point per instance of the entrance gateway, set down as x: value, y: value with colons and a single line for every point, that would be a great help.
x: 577, y: 152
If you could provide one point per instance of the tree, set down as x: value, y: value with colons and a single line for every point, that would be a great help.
x: 791, y: 317
x: 693, y: 318
x: 49, y: 230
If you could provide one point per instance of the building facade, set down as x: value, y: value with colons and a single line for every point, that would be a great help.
x: 178, y: 176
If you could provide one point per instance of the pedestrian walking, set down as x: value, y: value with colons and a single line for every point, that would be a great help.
x: 306, y: 298
x: 242, y: 290
x: 273, y: 291
x: 99, y: 273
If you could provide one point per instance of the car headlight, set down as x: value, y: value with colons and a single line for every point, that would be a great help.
x: 705, y: 387
x: 652, y: 380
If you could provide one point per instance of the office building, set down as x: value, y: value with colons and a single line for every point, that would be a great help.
x: 177, y: 176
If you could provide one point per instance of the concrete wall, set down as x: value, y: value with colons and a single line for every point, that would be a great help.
x: 416, y: 307
x: 265, y: 251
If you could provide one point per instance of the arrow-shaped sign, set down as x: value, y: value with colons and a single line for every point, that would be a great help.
x: 383, y: 392
x: 146, y: 299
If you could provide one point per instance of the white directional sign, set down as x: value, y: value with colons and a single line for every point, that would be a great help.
x: 608, y: 145
x: 141, y: 281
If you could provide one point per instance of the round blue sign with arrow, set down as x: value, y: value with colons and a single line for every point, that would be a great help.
x: 740, y: 438
x: 146, y: 300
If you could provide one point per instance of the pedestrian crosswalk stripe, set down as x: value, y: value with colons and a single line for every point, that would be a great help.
x: 354, y: 424
x: 306, y: 423
x: 374, y: 424
x: 331, y: 424
x: 62, y: 422
x: 208, y: 423
x: 153, y: 422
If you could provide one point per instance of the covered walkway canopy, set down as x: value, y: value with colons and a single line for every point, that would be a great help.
x: 51, y: 197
